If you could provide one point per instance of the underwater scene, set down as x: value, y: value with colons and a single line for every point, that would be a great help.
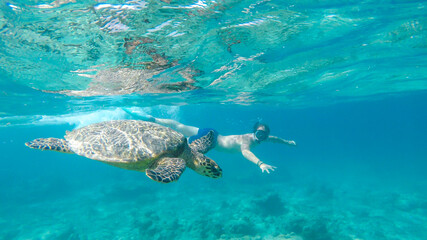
x: 227, y: 119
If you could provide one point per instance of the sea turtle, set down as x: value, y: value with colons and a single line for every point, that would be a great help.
x: 122, y: 81
x: 161, y: 152
x: 146, y: 77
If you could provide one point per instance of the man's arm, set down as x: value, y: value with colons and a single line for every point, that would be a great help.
x: 275, y: 139
x: 251, y: 157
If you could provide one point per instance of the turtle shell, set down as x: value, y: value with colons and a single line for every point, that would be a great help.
x: 126, y: 141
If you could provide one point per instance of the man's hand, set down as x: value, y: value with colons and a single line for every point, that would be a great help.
x: 266, y: 167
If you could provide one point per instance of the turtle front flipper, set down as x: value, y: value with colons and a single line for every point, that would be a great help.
x: 206, y: 166
x: 51, y: 144
x: 204, y: 144
x: 167, y: 170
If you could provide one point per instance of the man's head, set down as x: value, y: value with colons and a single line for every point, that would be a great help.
x: 261, y: 131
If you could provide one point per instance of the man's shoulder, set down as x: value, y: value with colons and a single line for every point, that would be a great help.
x: 248, y: 139
x: 241, y: 139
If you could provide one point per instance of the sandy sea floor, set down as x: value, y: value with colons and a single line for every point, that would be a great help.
x: 201, y: 208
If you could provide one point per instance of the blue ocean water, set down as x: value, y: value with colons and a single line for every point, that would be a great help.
x: 344, y: 79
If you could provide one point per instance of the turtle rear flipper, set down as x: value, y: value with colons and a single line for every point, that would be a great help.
x: 51, y: 144
x: 205, y: 143
x: 167, y: 170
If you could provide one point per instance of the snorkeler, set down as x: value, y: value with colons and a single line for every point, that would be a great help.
x: 231, y: 143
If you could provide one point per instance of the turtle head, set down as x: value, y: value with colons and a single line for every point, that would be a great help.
x: 206, y: 166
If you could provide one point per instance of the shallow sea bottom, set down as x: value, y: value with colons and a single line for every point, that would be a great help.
x: 192, y: 209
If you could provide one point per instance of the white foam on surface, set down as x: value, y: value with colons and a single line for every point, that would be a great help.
x: 81, y: 119
x: 85, y: 118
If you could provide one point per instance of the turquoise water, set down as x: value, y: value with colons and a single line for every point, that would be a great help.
x: 345, y: 79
